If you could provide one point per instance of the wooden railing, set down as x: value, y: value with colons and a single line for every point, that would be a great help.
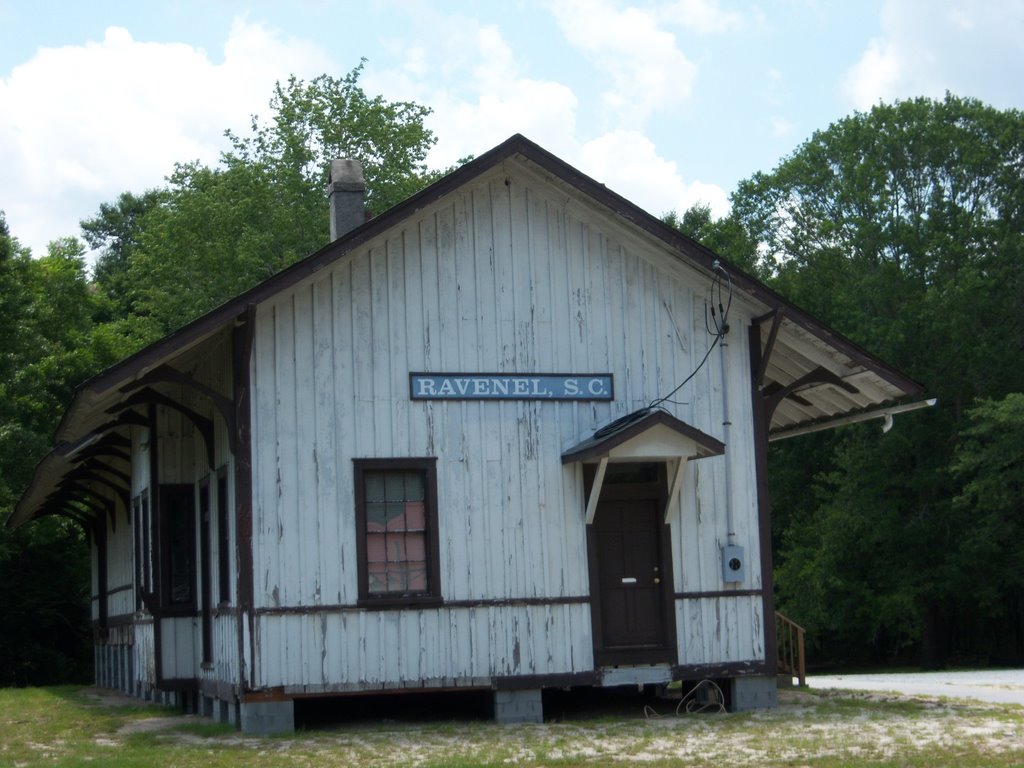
x: 790, y: 639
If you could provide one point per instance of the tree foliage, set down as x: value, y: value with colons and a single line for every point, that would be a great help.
x: 215, y: 232
x: 726, y: 236
x: 903, y: 227
x: 114, y: 232
x: 49, y: 312
x: 989, y: 470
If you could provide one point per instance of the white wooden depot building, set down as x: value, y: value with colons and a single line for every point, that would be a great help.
x: 450, y: 450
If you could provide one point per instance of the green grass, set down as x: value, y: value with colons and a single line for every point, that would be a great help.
x: 68, y: 727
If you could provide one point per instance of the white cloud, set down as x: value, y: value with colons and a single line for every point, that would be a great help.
x: 83, y: 123
x: 484, y: 97
x: 970, y: 48
x: 471, y: 79
x: 704, y: 17
x: 646, y: 70
x: 781, y: 127
x: 628, y: 163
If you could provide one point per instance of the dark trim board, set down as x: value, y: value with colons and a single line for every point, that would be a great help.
x: 113, y: 591
x: 124, y: 620
x: 630, y: 656
x: 496, y: 683
x: 217, y: 689
x: 729, y: 669
x: 564, y: 680
x: 241, y: 356
x: 179, y: 684
x: 764, y: 511
x: 515, y: 602
x: 312, y: 610
x: 719, y: 593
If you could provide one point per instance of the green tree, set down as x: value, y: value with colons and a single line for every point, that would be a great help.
x: 726, y: 236
x: 48, y: 309
x: 114, y: 232
x: 989, y: 469
x: 332, y: 117
x: 217, y: 231
x: 902, y: 227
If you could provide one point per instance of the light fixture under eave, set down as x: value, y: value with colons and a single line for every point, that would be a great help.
x: 855, y: 418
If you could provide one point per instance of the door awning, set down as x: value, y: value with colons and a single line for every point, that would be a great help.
x: 650, y: 435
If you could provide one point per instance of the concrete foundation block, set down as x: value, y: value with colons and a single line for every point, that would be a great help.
x: 262, y: 718
x: 754, y: 692
x: 518, y: 706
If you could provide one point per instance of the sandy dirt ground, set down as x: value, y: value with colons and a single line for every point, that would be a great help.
x: 1001, y: 686
x: 814, y: 722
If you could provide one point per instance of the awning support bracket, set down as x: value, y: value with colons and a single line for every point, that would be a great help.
x: 595, y: 489
x: 675, y: 486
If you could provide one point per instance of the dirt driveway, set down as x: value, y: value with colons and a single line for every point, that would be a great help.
x: 1005, y: 686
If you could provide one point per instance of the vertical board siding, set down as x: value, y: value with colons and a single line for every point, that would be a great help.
x: 143, y: 657
x: 120, y: 564
x: 504, y: 276
x: 720, y: 630
x: 356, y: 650
x: 183, y: 458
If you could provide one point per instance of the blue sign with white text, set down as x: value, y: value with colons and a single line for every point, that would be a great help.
x: 516, y: 386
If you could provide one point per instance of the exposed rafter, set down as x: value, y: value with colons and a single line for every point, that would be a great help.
x: 148, y: 395
x: 167, y: 374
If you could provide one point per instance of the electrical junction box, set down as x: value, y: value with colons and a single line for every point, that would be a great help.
x: 733, y: 564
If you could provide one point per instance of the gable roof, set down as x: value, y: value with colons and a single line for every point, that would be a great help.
x: 797, y: 344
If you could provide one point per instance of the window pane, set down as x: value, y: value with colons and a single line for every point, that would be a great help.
x: 181, y: 558
x: 377, y: 581
x: 396, y: 531
x: 414, y: 490
x: 223, y: 540
x: 376, y: 547
x: 415, y: 547
x: 374, y: 486
x: 415, y: 516
x: 394, y: 486
x: 396, y: 516
x: 376, y: 516
x: 631, y: 472
x: 417, y: 577
x: 396, y: 549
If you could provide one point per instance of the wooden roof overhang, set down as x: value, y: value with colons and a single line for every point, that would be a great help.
x: 652, y: 435
x: 795, y: 347
x: 91, y: 458
x: 812, y: 378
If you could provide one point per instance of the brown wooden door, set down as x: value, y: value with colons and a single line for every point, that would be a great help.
x: 631, y: 578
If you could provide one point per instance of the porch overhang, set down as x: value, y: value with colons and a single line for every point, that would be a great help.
x: 653, y: 436
x: 810, y: 378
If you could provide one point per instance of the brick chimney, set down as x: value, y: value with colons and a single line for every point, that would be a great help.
x: 345, y: 193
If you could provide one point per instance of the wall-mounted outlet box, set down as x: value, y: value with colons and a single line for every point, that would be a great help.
x: 733, y: 564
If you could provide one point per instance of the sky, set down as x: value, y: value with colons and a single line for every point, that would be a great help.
x: 667, y: 102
